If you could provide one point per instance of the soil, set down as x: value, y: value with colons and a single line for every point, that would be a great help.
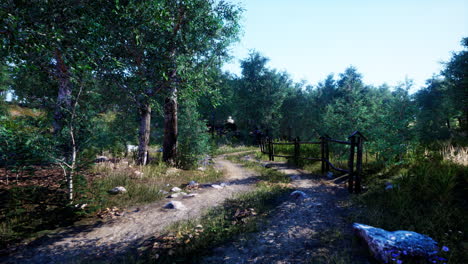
x: 301, y: 230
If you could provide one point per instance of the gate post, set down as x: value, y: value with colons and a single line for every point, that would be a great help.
x: 296, y: 151
x: 351, y: 165
x: 270, y: 149
x: 322, y: 149
x: 358, y: 165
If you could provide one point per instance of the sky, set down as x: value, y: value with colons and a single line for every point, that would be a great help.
x: 387, y: 41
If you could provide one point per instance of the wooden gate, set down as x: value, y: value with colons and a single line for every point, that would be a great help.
x: 354, y: 169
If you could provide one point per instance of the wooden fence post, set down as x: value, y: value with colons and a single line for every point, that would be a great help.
x: 270, y: 149
x: 327, y: 155
x: 351, y: 165
x: 322, y: 149
x: 358, y: 165
x: 296, y: 151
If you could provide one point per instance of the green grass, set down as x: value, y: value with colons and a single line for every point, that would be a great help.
x: 142, y: 189
x: 226, y: 149
x: 429, y: 197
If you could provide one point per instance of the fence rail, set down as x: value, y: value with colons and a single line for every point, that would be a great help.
x: 354, y: 170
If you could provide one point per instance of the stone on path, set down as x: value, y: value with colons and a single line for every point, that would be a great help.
x: 176, y: 189
x: 190, y: 195
x: 117, y: 190
x: 386, y: 246
x: 174, y: 205
x: 299, y: 194
x: 216, y: 186
x: 193, y: 183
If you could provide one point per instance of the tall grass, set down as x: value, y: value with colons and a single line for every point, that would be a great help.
x: 428, y: 196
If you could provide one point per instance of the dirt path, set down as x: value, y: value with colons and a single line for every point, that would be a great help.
x: 301, y: 230
x: 105, y: 241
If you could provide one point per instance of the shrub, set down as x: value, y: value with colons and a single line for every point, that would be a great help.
x: 194, y: 140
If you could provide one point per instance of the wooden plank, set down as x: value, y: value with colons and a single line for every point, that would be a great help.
x: 335, y: 168
x: 313, y: 159
x: 310, y: 142
x: 338, y: 141
x: 282, y: 156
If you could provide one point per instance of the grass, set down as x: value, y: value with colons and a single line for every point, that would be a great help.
x: 226, y: 149
x: 428, y: 197
x: 142, y: 188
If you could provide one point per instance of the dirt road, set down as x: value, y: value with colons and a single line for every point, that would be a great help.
x: 309, y: 229
x: 105, y: 241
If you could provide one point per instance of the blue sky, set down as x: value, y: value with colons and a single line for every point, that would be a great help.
x: 386, y: 40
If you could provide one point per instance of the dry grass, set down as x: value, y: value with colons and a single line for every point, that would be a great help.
x: 458, y: 155
x: 143, y: 183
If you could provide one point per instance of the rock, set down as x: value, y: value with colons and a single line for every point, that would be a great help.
x: 174, y: 205
x: 385, y: 245
x: 118, y: 190
x: 190, y: 195
x: 299, y: 195
x: 268, y: 165
x: 216, y: 186
x: 163, y: 192
x: 176, y: 189
x: 201, y: 169
x: 100, y: 159
x: 138, y: 173
x: 174, y: 195
x: 81, y: 206
x: 295, y: 177
x: 388, y: 186
x: 223, y: 184
x: 193, y: 183
x: 172, y: 171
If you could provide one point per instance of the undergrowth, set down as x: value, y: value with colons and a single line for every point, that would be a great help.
x: 426, y: 195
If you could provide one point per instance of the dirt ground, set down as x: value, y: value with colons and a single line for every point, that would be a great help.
x: 310, y: 229
x: 105, y: 240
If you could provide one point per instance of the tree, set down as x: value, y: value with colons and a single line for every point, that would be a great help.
x: 54, y: 38
x: 260, y: 94
x: 456, y: 74
x: 435, y: 110
x: 161, y: 48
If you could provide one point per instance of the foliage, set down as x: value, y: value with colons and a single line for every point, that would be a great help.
x: 428, y: 197
x: 193, y: 137
x: 25, y: 141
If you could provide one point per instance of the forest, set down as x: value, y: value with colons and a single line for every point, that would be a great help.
x: 99, y: 94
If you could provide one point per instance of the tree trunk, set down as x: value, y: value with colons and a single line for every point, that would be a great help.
x: 144, y: 134
x: 170, y: 127
x: 63, y: 104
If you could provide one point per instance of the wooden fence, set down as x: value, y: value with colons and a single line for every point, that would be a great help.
x: 354, y: 169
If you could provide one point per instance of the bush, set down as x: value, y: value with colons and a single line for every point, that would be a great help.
x: 24, y: 141
x: 194, y: 140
